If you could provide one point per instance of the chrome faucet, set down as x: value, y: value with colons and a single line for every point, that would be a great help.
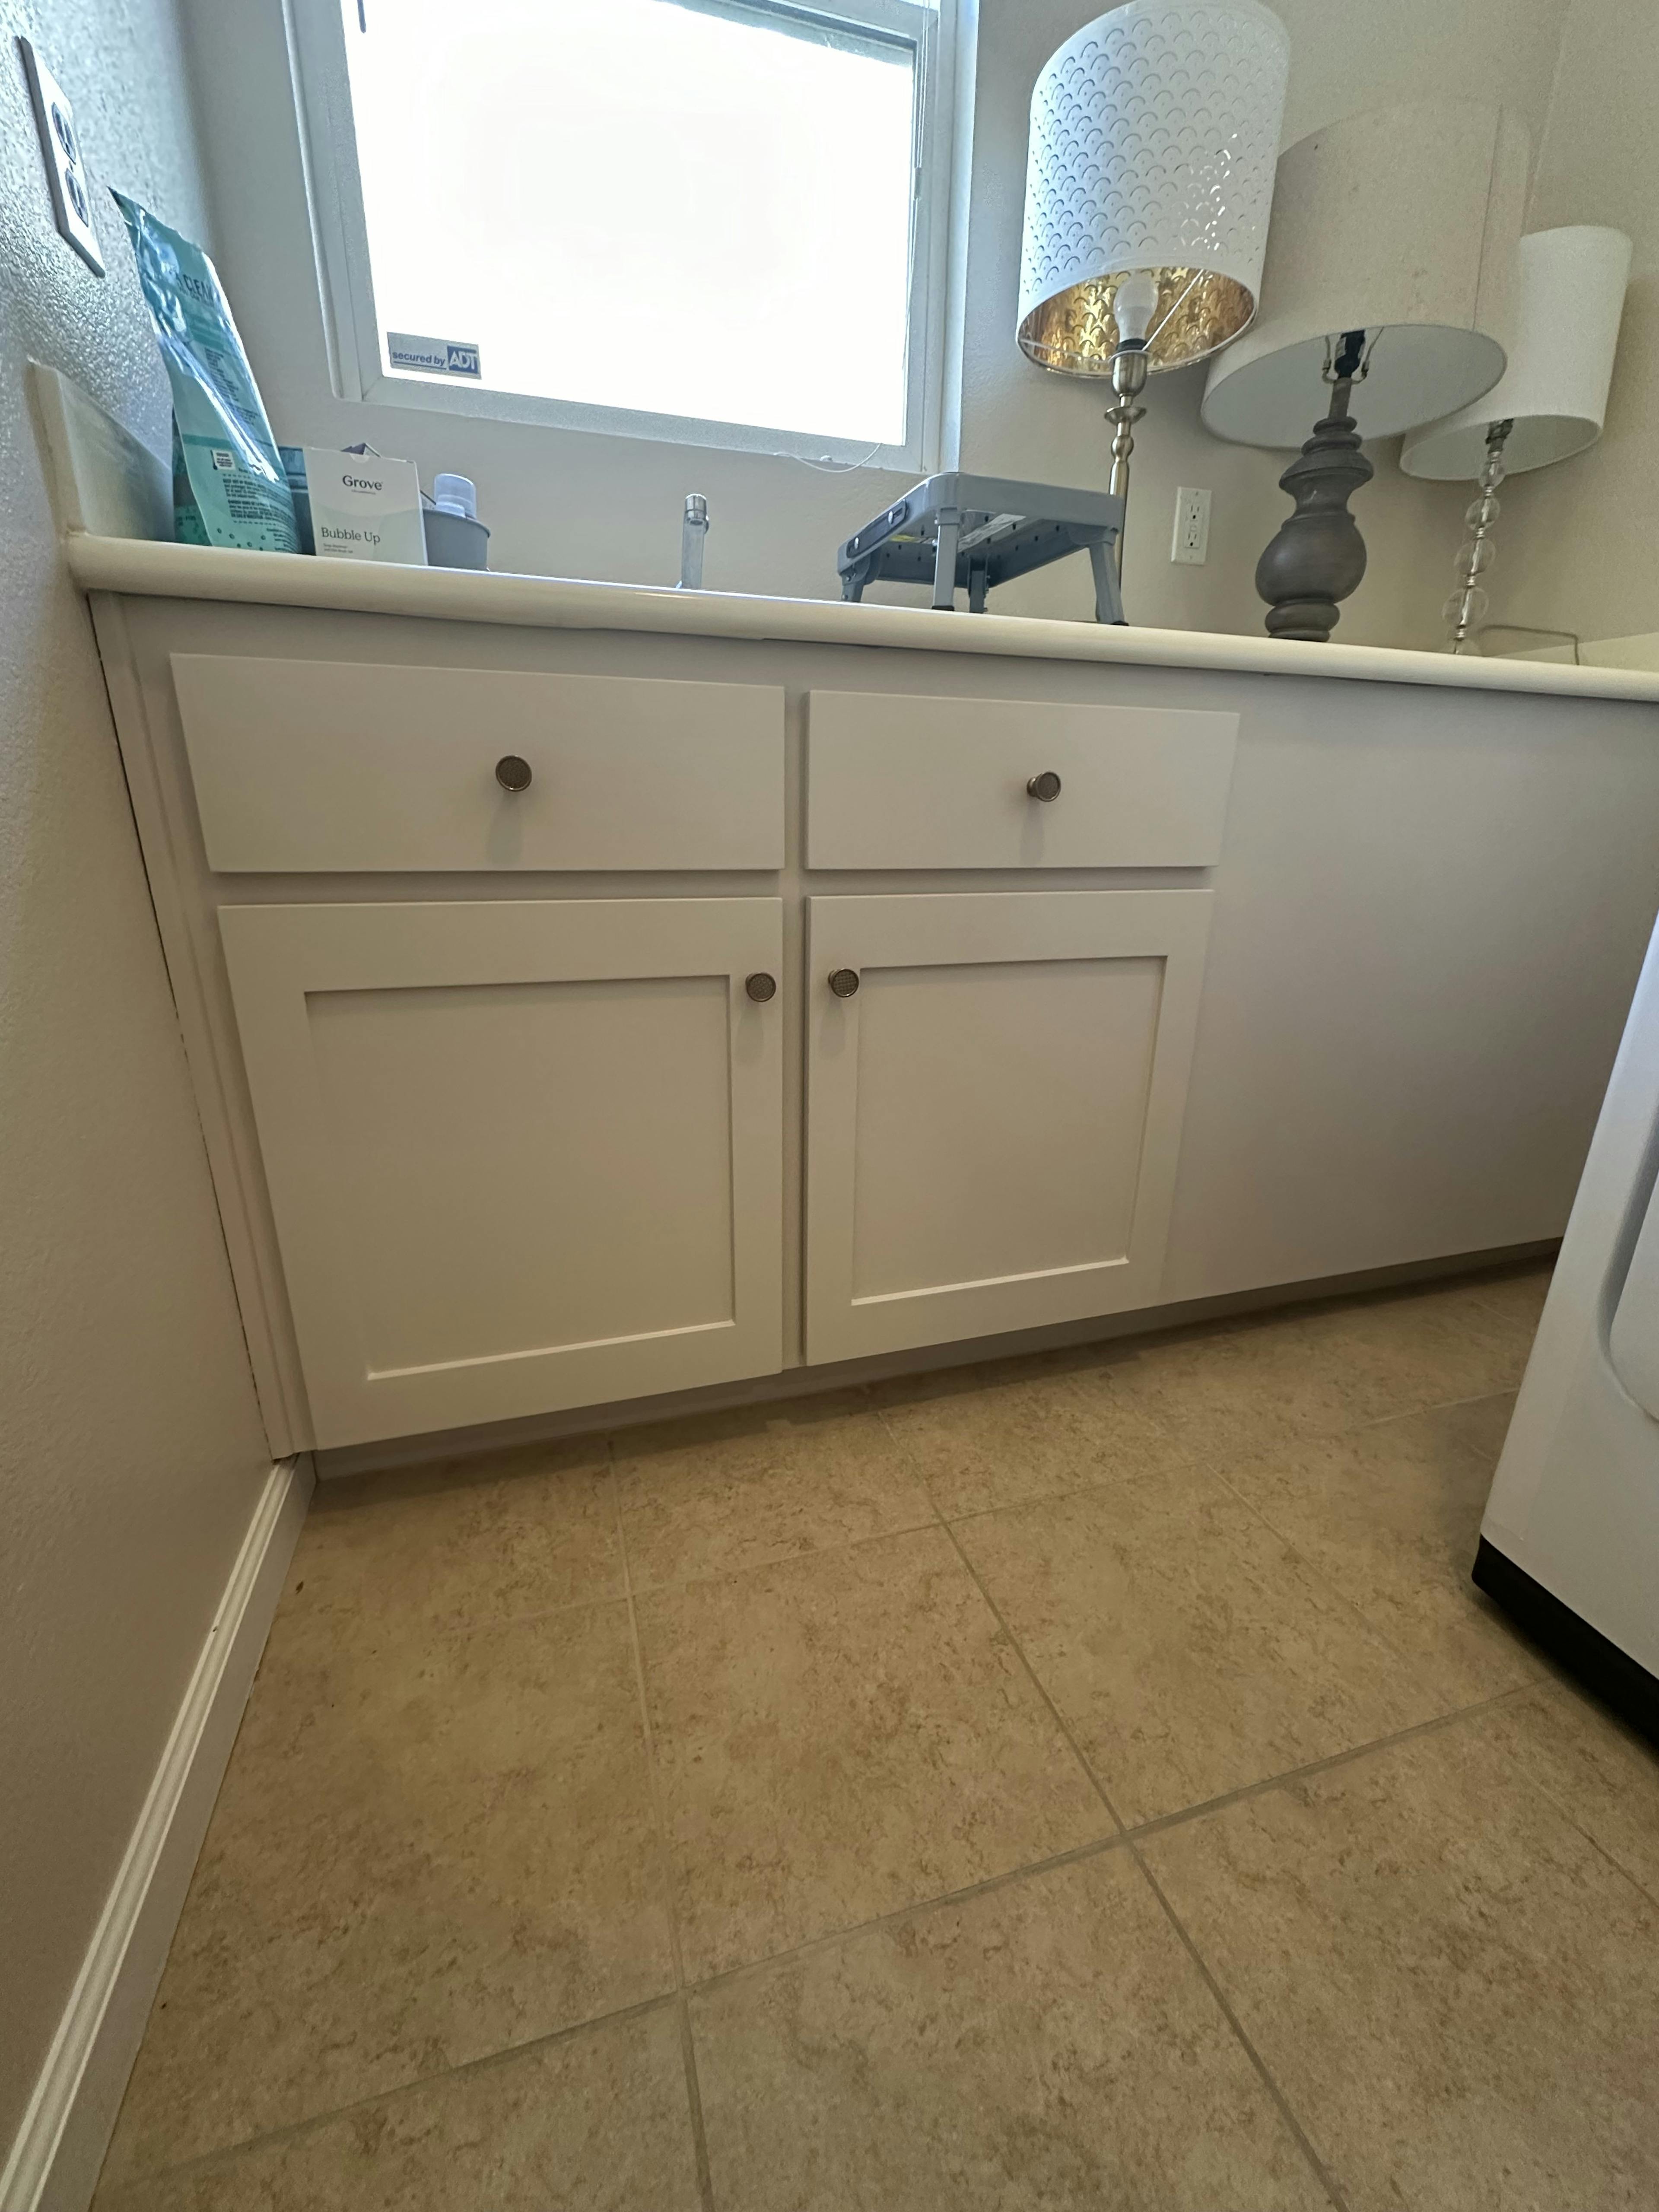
x: 693, y: 532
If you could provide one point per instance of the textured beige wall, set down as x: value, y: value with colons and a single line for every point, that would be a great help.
x: 130, y: 1454
x: 567, y: 504
x: 1577, y: 549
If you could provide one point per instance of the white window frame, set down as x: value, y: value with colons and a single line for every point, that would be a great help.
x: 318, y: 64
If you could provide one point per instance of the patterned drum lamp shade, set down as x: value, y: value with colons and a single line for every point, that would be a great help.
x: 1154, y: 137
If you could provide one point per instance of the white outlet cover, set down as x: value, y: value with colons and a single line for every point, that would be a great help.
x: 1191, y: 540
x: 60, y: 146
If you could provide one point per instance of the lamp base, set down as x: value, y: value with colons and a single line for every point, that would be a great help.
x: 1318, y: 556
x: 1128, y: 382
x: 1468, y: 604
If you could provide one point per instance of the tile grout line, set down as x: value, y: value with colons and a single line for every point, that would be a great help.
x: 687, y: 2047
x: 1412, y: 1413
x: 1131, y: 1830
x: 1596, y: 1845
x: 1192, y: 1460
x: 1124, y: 1834
x: 945, y: 1901
x: 1161, y: 1822
x: 1014, y: 1644
x: 1298, y: 2133
x: 1123, y: 1838
x: 228, y: 2154
x: 1322, y: 2174
x: 509, y: 2053
x: 1476, y: 1286
x: 1560, y: 1802
x: 1333, y: 1589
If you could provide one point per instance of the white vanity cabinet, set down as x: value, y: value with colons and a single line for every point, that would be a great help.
x: 520, y: 1155
x: 995, y: 1087
x: 527, y: 1154
x: 1170, y: 970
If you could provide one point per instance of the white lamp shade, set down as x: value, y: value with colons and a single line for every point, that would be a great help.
x: 1403, y: 222
x: 1154, y: 131
x: 1570, y: 294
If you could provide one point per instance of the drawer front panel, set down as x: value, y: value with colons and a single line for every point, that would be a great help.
x: 902, y: 782
x: 307, y: 765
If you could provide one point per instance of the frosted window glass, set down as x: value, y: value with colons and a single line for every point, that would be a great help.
x: 640, y: 204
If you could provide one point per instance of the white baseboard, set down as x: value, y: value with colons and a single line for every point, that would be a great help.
x: 53, y: 2164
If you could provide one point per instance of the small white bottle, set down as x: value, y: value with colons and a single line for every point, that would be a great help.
x: 455, y: 539
x: 455, y: 495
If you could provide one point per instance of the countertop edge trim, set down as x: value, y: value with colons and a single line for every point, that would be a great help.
x: 144, y: 568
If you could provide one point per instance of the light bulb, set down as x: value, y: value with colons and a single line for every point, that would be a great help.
x: 1133, y: 305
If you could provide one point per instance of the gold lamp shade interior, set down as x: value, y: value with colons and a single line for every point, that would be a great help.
x: 1075, y: 332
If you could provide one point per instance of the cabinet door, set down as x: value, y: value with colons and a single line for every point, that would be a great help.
x: 994, y: 1113
x: 522, y: 1156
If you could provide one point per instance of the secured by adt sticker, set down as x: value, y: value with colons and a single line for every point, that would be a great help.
x: 432, y: 356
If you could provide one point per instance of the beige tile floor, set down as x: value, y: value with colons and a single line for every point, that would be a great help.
x: 1083, y: 1781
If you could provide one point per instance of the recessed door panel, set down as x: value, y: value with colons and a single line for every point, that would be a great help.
x: 1052, y: 1163
x: 994, y: 1109
x: 480, y: 1099
x: 521, y: 1156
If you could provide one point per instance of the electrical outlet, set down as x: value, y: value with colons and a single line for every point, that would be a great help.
x: 1191, y: 527
x: 60, y: 146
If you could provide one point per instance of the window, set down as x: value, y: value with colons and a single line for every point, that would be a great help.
x: 714, y: 220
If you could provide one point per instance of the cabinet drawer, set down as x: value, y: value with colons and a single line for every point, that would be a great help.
x: 900, y: 782
x: 305, y: 765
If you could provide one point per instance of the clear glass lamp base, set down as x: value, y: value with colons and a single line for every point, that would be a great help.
x: 1468, y: 607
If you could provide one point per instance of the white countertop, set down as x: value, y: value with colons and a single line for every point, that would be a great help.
x: 149, y: 569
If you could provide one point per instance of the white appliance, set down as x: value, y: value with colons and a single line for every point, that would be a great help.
x: 1570, y: 1544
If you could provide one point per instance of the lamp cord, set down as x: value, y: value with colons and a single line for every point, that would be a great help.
x: 1175, y: 307
x: 826, y: 467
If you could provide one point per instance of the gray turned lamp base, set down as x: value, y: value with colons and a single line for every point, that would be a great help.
x: 1318, y: 556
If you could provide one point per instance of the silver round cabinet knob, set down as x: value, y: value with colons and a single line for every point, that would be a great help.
x: 512, y: 773
x: 844, y: 981
x: 1044, y: 786
x: 761, y: 988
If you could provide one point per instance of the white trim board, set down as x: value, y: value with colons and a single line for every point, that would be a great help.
x: 53, y: 2164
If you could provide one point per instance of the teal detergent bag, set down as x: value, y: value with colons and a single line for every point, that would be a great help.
x: 228, y: 485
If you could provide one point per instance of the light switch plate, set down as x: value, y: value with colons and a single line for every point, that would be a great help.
x: 1191, y: 527
x: 60, y: 146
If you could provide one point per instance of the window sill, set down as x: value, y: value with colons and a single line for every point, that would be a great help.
x: 452, y: 396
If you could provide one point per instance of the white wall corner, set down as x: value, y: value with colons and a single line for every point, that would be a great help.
x: 54, y: 2165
